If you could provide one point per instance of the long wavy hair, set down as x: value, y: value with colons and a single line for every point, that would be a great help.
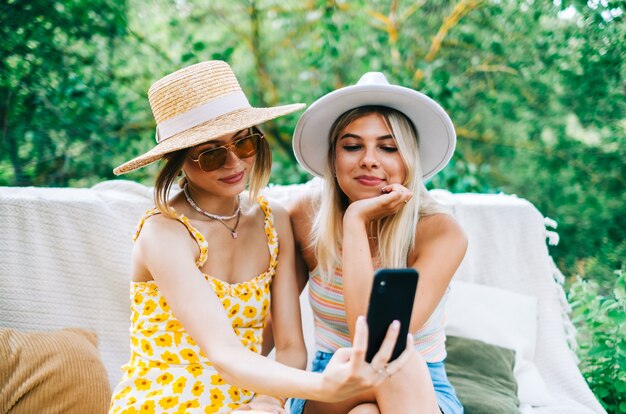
x: 396, y: 233
x: 259, y: 175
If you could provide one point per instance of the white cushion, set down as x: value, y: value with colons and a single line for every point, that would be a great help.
x: 503, y: 318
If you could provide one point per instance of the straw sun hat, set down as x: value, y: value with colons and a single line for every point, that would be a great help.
x: 436, y: 136
x: 197, y: 104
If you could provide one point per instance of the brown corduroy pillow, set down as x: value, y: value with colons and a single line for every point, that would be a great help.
x: 52, y: 372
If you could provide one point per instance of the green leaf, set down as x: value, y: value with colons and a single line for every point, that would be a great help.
x: 187, y: 57
x: 617, y: 315
x: 199, y: 46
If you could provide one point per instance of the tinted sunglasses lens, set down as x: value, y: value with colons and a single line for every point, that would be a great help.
x: 247, y: 147
x: 212, y: 159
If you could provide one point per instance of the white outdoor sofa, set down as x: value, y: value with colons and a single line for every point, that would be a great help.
x: 65, y: 254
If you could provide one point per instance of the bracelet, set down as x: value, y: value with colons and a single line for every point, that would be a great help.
x: 280, y: 400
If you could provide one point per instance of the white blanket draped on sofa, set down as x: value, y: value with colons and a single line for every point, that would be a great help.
x: 65, y: 259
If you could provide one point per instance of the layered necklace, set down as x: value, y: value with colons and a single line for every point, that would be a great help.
x: 221, y: 219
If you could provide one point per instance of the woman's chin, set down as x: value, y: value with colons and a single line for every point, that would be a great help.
x: 364, y: 194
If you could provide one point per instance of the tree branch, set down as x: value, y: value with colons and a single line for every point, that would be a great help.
x: 459, y: 11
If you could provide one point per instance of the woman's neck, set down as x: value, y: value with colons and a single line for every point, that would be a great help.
x: 212, y: 204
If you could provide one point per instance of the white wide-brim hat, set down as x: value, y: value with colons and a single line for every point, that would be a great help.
x: 197, y: 104
x: 436, y: 135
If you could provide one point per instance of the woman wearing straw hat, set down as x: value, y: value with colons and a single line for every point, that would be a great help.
x: 374, y: 144
x: 197, y: 314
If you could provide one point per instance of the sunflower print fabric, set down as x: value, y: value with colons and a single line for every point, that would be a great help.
x: 167, y: 371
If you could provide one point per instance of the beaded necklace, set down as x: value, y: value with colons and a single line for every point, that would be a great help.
x: 221, y: 219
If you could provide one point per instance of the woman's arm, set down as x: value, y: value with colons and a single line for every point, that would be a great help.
x: 166, y: 250
x: 356, y: 256
x: 440, y: 245
x: 285, y: 305
x: 301, y: 214
x: 302, y: 210
x: 357, y: 268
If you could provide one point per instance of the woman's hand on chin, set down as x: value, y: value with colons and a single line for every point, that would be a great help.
x: 389, y: 202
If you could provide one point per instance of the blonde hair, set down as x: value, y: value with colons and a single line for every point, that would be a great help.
x: 259, y: 176
x: 396, y: 233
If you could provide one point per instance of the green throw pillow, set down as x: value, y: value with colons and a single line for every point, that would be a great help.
x: 482, y: 375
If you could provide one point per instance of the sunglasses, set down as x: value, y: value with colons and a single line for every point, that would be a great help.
x: 215, y: 158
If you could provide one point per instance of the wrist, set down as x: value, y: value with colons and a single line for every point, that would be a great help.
x: 330, y: 389
x: 321, y: 389
x: 272, y: 399
x: 353, y: 220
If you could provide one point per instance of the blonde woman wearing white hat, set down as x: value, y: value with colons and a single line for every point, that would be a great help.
x: 206, y: 262
x: 374, y: 143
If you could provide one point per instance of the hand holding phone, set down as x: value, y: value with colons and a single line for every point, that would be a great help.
x: 392, y: 297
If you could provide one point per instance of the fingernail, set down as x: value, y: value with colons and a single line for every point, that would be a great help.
x: 395, y: 324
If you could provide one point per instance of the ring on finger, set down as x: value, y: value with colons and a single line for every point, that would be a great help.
x: 379, y: 370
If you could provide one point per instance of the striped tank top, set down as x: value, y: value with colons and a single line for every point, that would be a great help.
x: 331, y: 326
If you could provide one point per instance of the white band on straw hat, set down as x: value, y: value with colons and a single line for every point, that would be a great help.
x: 217, y: 107
x: 197, y: 104
x: 436, y: 135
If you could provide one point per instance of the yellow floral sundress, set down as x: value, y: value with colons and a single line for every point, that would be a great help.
x: 167, y: 371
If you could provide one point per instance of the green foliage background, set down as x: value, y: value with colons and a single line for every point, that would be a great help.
x: 601, y: 321
x: 536, y: 90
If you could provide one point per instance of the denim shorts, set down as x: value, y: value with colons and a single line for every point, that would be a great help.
x: 446, y: 396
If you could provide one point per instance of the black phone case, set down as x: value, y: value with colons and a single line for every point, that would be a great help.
x: 393, y: 293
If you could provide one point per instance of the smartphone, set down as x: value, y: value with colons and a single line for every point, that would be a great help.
x: 392, y: 297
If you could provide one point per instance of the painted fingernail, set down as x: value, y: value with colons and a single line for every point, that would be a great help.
x: 395, y: 324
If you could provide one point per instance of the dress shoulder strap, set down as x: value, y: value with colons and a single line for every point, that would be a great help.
x: 203, y: 245
x: 153, y: 211
x: 270, y: 231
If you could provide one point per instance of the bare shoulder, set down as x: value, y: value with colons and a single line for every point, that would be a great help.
x: 304, y: 205
x: 302, y: 210
x: 161, y: 239
x: 440, y: 231
x: 161, y: 232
